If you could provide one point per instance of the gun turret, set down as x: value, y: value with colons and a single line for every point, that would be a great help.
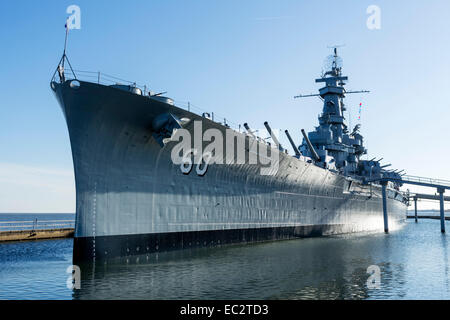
x: 249, y: 130
x: 275, y: 140
x: 297, y: 152
x: 310, y: 146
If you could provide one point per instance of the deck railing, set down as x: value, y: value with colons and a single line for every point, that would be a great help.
x: 105, y: 79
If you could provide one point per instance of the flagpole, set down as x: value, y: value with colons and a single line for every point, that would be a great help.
x: 65, y: 41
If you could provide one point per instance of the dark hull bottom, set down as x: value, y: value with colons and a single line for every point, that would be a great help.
x: 86, y: 249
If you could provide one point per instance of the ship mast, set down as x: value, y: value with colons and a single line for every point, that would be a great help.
x: 331, y: 141
x: 60, y: 68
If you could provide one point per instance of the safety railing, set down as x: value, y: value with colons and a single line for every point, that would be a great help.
x: 425, y: 180
x: 106, y: 79
x: 36, y: 224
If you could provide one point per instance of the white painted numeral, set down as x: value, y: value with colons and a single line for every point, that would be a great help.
x: 201, y: 168
x: 186, y: 163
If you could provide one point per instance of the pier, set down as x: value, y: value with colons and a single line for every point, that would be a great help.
x: 419, y: 196
x: 438, y: 184
x: 35, y: 230
x: 22, y: 235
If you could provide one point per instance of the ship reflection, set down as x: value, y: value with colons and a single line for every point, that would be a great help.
x: 320, y: 268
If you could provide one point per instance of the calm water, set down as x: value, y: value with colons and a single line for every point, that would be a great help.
x: 414, y: 264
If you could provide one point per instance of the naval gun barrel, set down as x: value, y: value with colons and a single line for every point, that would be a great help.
x: 385, y: 166
x: 310, y: 146
x: 249, y: 130
x: 275, y: 140
x: 297, y: 153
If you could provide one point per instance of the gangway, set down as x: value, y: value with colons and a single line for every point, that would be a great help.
x: 419, y: 181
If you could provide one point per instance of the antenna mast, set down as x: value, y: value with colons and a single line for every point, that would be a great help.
x: 61, y: 64
x: 65, y: 41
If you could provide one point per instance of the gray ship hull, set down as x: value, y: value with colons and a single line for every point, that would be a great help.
x: 131, y: 199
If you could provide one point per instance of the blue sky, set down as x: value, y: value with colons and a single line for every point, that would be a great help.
x: 244, y: 60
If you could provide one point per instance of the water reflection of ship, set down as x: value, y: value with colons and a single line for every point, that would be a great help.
x: 281, y: 270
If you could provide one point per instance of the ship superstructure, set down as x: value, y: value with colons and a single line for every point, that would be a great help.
x: 331, y: 145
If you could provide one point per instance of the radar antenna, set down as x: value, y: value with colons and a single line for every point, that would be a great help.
x: 333, y: 63
x: 333, y: 70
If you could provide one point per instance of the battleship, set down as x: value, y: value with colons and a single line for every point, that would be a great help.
x: 132, y: 199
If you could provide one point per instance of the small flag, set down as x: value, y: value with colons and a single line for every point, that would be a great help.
x: 359, y: 114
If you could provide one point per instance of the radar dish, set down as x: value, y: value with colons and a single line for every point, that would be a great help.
x: 333, y: 62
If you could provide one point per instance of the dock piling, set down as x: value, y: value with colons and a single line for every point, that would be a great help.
x: 415, y: 209
x: 441, y: 202
x: 385, y: 215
